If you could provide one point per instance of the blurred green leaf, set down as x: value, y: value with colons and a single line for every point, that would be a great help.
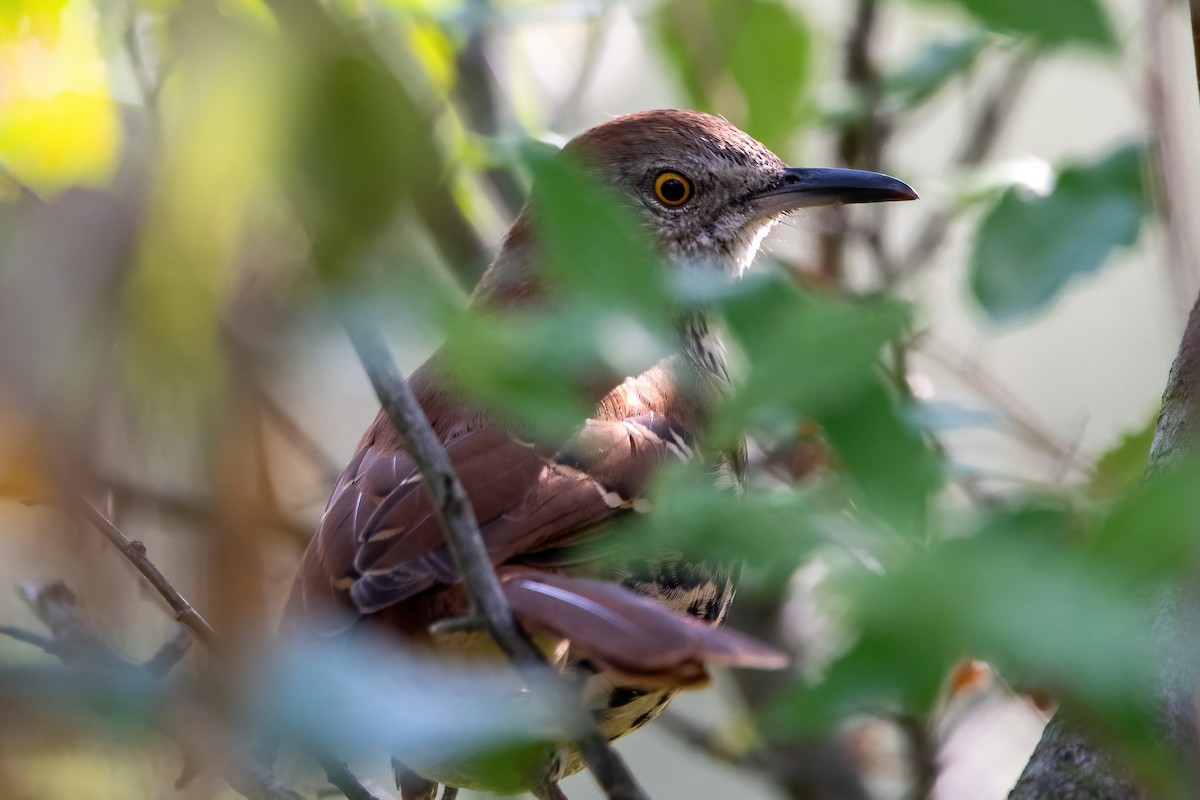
x: 1150, y: 537
x: 589, y: 241
x: 1018, y: 596
x: 769, y: 62
x: 761, y: 47
x: 815, y: 357
x: 363, y: 141
x: 935, y: 65
x: 807, y: 353
x: 1028, y: 247
x: 546, y: 370
x: 1122, y: 466
x: 884, y: 455
x: 687, y: 515
x: 1053, y: 23
x: 549, y: 364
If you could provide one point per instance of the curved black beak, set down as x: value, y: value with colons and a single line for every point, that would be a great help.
x: 806, y: 187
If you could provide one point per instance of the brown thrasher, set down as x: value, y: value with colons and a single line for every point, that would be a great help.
x: 636, y: 629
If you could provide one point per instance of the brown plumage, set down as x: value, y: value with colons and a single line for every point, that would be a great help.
x: 641, y: 628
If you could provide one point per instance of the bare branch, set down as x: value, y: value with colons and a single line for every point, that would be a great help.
x: 171, y: 653
x: 74, y: 638
x: 457, y: 520
x: 31, y: 638
x: 1024, y: 423
x: 135, y: 552
x: 977, y: 145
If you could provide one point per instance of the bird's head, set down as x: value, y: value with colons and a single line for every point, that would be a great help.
x: 707, y: 191
x: 704, y: 190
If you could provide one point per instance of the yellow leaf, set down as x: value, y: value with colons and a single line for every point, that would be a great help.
x: 58, y: 125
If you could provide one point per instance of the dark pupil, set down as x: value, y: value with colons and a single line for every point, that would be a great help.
x: 673, y: 190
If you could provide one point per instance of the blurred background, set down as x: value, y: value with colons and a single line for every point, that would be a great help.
x: 191, y: 192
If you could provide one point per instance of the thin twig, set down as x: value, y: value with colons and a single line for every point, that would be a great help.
x: 487, y: 602
x: 135, y: 552
x: 54, y: 604
x: 1023, y: 421
x: 596, y: 37
x: 860, y: 142
x: 194, y: 508
x: 295, y: 433
x: 35, y: 639
x: 171, y: 653
x: 976, y: 146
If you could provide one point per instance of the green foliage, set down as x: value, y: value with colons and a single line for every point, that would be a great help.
x: 363, y: 142
x: 1053, y: 23
x: 935, y: 65
x: 1121, y: 467
x: 1029, y: 247
x: 764, y: 48
x: 547, y: 366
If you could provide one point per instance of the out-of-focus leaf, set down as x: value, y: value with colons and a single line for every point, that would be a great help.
x: 58, y: 124
x: 605, y: 311
x: 1053, y: 23
x: 1151, y: 536
x: 813, y: 357
x: 760, y: 48
x: 769, y: 62
x: 807, y: 353
x: 377, y: 698
x: 689, y: 515
x: 1017, y: 596
x: 210, y: 189
x: 547, y: 370
x: 884, y: 455
x: 1028, y: 248
x: 1122, y: 466
x: 41, y: 19
x: 935, y: 65
x: 590, y: 242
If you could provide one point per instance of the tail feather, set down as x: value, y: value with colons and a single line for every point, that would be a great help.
x: 627, y: 634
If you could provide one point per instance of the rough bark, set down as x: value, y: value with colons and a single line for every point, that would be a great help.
x: 1068, y: 766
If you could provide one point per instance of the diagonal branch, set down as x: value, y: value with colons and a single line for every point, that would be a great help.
x: 135, y: 552
x: 74, y: 638
x: 488, y: 604
x: 336, y: 772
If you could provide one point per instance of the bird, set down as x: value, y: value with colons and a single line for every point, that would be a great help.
x: 636, y: 629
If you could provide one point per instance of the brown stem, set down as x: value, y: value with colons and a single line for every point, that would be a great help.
x: 488, y: 604
x: 135, y: 552
x: 54, y: 604
x: 978, y: 143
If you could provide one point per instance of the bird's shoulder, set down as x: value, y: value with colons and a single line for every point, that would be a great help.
x: 379, y: 542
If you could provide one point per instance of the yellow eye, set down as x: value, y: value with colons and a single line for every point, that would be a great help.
x: 672, y: 189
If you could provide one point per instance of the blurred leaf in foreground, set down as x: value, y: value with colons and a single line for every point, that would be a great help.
x: 1122, y: 466
x: 58, y: 124
x: 762, y: 46
x: 1028, y: 248
x: 378, y: 698
x: 549, y: 362
x: 934, y: 66
x: 1053, y: 597
x: 1052, y: 23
